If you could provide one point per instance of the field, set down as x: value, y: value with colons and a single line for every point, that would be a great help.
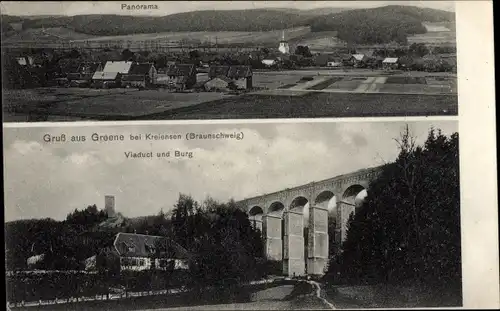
x: 51, y: 35
x: 271, y: 296
x: 391, y: 296
x: 317, y: 41
x: 361, y: 81
x: 278, y: 94
x: 92, y: 103
x: 434, y: 38
x: 437, y: 34
x: 316, y: 105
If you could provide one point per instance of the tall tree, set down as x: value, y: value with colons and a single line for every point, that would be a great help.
x: 182, y: 220
x: 408, y: 229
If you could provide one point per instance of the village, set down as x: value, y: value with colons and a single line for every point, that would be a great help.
x: 197, y: 70
x: 111, y: 83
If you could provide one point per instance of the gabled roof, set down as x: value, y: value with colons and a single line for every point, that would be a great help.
x: 101, y: 75
x: 85, y: 68
x: 359, y: 57
x: 272, y: 56
x: 218, y: 79
x: 216, y: 71
x: 134, y: 77
x: 390, y: 60
x: 141, y: 245
x: 140, y: 69
x: 180, y: 70
x: 269, y: 61
x: 117, y: 66
x: 69, y: 67
x: 79, y: 76
x: 22, y: 61
x: 237, y: 72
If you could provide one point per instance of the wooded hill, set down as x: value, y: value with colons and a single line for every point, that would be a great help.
x: 380, y: 25
x: 373, y: 25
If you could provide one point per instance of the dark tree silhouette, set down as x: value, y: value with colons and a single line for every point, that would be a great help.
x: 303, y: 51
x: 408, y: 229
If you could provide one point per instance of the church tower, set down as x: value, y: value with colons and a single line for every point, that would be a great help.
x: 109, y: 206
x: 284, y: 48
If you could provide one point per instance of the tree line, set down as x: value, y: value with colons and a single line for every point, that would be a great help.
x: 408, y: 228
x: 225, y: 251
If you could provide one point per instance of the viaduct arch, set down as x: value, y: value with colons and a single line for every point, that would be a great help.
x: 280, y: 217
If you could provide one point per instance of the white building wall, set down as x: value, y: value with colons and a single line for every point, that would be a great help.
x: 135, y: 263
x: 240, y: 83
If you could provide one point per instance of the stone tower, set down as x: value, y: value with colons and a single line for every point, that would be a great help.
x: 284, y: 48
x: 109, y: 205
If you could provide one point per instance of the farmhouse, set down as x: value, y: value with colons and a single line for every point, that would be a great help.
x: 334, y: 63
x: 268, y: 62
x: 137, y: 252
x: 34, y: 260
x: 217, y: 84
x: 241, y: 76
x: 84, y: 73
x: 217, y: 71
x: 390, y: 63
x: 25, y: 61
x: 222, y: 76
x: 181, y: 77
x: 113, y: 71
x: 140, y: 75
x: 358, y: 60
x: 324, y: 59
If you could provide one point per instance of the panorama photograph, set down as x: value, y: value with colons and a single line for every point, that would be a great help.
x: 71, y: 61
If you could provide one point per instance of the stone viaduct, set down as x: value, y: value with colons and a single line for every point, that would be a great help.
x: 280, y: 215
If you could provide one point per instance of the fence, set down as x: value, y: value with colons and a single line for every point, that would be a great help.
x: 41, y: 287
x: 116, y: 296
x: 93, y: 298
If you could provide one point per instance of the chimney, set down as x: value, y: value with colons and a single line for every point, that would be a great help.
x: 109, y: 205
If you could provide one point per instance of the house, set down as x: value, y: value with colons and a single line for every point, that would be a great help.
x: 217, y: 71
x: 112, y: 72
x: 322, y: 59
x: 406, y: 62
x: 25, y: 61
x: 358, y: 60
x: 241, y: 76
x: 138, y: 251
x: 181, y: 76
x: 84, y: 73
x: 140, y: 75
x: 208, y: 59
x: 217, y: 84
x: 32, y: 261
x: 390, y: 63
x: 66, y: 67
x: 334, y: 63
x: 270, y: 61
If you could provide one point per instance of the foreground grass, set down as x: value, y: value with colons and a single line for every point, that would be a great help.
x: 390, y: 296
x: 317, y: 104
x: 308, y: 105
x: 186, y: 299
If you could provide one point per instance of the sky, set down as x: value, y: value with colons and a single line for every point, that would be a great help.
x: 52, y: 179
x: 170, y: 7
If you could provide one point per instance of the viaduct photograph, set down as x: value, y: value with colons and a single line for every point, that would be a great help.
x: 256, y: 216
